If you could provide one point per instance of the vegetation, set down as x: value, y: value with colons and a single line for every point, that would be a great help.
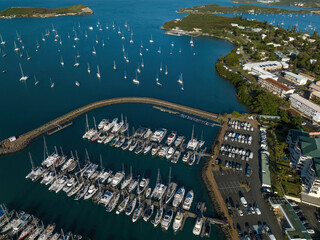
x: 306, y: 3
x: 283, y: 178
x: 38, y: 12
x: 215, y: 8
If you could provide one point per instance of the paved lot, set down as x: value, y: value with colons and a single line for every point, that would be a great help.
x: 309, y: 213
x: 229, y: 181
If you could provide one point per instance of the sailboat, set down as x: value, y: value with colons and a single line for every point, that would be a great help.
x: 98, y: 72
x: 28, y: 57
x: 102, y: 43
x: 172, y: 44
x: 76, y: 37
x: 142, y: 64
x: 179, y: 50
x: 97, y: 39
x: 157, y: 81
x: 125, y: 75
x: 51, y: 83
x: 35, y: 81
x: 180, y: 81
x: 151, y: 40
x: 16, y: 49
x: 62, y: 62
x: 191, y: 42
x: 159, y: 50
x: 131, y: 40
x: 141, y: 45
x: 160, y: 67
x: 23, y: 77
x: 127, y: 58
x: 2, y: 42
x: 140, y: 52
x: 122, y: 37
x: 85, y: 34
x: 172, y: 187
x: 138, y: 69
x: 126, y: 24
x: 38, y: 45
x: 77, y: 83
x: 166, y: 72
x: 114, y: 65
x: 135, y: 80
x: 78, y: 54
x: 89, y: 71
x: 76, y: 64
x: 94, y: 51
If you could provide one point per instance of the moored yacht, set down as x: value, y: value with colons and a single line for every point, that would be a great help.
x: 148, y: 212
x: 198, y: 226
x: 106, y: 198
x: 178, y: 221
x: 142, y: 185
x: 131, y: 206
x: 134, y: 183
x: 91, y: 191
x: 170, y: 153
x: 112, y: 204
x: 188, y: 200
x: 171, y: 138
x: 122, y: 206
x: 178, y: 197
x: 166, y: 221
x: 138, y: 212
x: 117, y: 178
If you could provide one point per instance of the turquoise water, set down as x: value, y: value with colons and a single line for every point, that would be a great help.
x: 24, y: 106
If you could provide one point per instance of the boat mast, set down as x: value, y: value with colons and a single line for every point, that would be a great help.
x: 169, y: 176
x: 87, y: 156
x: 32, y: 165
x: 101, y: 162
x: 87, y: 123
x: 61, y: 151
x: 72, y: 155
x: 131, y: 170
x: 62, y: 233
x: 95, y: 125
x: 192, y: 132
x: 21, y: 70
x: 45, y: 149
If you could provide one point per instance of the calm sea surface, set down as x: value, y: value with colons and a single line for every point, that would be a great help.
x: 24, y: 105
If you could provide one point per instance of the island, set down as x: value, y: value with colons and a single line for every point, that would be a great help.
x: 299, y: 3
x: 35, y: 12
x: 218, y: 9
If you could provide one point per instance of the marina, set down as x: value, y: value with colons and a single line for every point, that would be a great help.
x: 15, y: 225
x: 89, y: 180
x: 116, y: 134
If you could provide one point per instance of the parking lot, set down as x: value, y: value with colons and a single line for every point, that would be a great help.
x: 235, y: 182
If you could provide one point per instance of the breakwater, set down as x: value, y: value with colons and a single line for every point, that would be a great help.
x: 23, y: 140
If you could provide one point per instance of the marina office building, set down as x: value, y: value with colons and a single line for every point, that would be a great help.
x: 262, y: 69
x: 305, y: 158
x: 305, y: 106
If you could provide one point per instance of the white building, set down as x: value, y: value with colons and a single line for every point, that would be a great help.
x: 295, y: 78
x: 268, y: 65
x: 305, y: 106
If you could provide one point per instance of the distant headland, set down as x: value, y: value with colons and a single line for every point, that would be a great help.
x: 35, y: 12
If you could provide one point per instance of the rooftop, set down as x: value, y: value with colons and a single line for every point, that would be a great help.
x: 265, y: 175
x: 310, y: 146
x: 305, y: 101
x: 279, y: 85
x: 296, y: 133
x: 300, y: 77
x: 307, y: 76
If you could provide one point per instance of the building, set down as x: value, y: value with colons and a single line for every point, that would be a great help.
x: 282, y: 57
x: 263, y: 74
x: 305, y: 106
x: 265, y: 172
x: 293, y: 137
x: 305, y: 157
x: 314, y: 87
x: 295, y: 78
x: 267, y: 66
x: 315, y: 94
x: 308, y: 77
x: 275, y: 87
x: 289, y: 220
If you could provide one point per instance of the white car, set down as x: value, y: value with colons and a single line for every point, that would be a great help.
x: 240, y: 212
x: 258, y: 212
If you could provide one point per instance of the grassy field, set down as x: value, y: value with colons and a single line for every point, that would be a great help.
x: 215, y: 8
x: 33, y: 11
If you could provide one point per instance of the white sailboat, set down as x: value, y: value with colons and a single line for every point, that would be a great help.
x: 135, y: 80
x: 151, y: 40
x: 16, y: 49
x: 28, y: 57
x: 76, y: 64
x: 94, y: 51
x: 76, y: 37
x: 172, y: 44
x: 51, y: 83
x: 2, y: 42
x: 77, y: 83
x: 89, y: 71
x: 114, y: 65
x: 142, y: 64
x: 97, y: 39
x: 191, y: 42
x: 102, y: 43
x: 138, y: 69
x: 98, y: 72
x: 166, y: 72
x: 131, y: 40
x: 157, y: 81
x: 159, y: 50
x: 78, y: 54
x: 62, y: 62
x: 23, y: 77
x: 125, y: 76
x: 160, y: 67
x: 35, y: 81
